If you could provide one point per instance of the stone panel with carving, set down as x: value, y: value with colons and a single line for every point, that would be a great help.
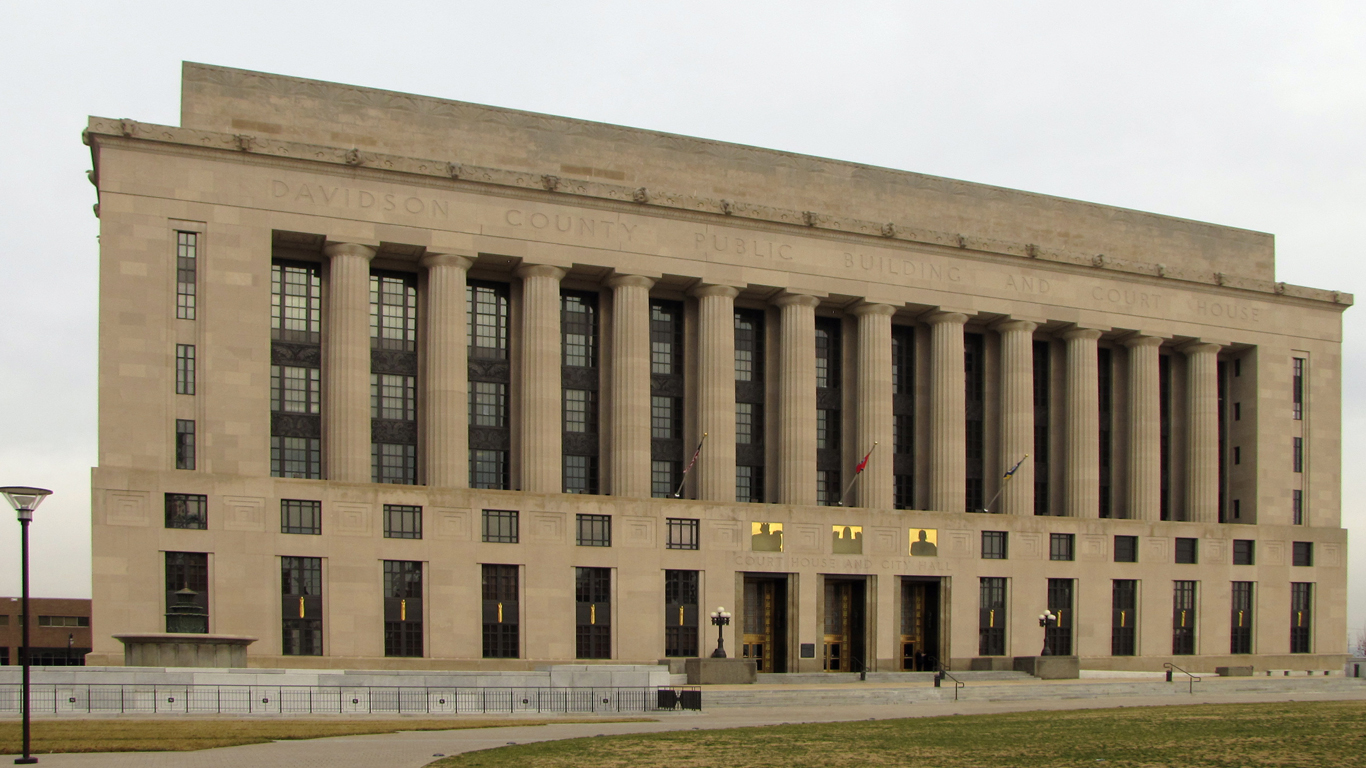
x: 1155, y: 550
x: 884, y: 541
x: 1272, y: 552
x: 244, y: 513
x: 637, y: 531
x: 805, y: 538
x: 723, y: 535
x: 1093, y: 547
x: 1027, y: 546
x: 352, y: 519
x: 959, y: 542
x: 546, y: 526
x: 130, y: 508
x: 1214, y: 551
x: 452, y: 523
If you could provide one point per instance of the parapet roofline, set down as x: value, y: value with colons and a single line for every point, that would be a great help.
x: 124, y: 129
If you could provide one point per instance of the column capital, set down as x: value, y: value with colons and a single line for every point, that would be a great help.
x: 940, y: 317
x: 333, y: 250
x: 708, y: 289
x: 1200, y: 346
x: 873, y: 308
x: 1014, y: 324
x: 1082, y: 333
x: 460, y: 261
x: 798, y: 300
x: 540, y: 270
x: 631, y: 281
x: 1142, y: 341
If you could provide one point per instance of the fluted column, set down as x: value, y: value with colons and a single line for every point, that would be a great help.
x: 1082, y: 394
x: 948, y: 439
x: 797, y: 400
x: 716, y: 391
x: 875, y: 403
x: 542, y: 420
x: 346, y: 407
x: 1145, y: 429
x: 630, y: 446
x: 1017, y: 415
x: 446, y: 378
x: 1202, y: 456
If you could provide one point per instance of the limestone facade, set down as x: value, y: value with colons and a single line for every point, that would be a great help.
x: 1166, y: 390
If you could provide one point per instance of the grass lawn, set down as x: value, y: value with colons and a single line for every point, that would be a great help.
x: 184, y: 734
x: 1317, y: 734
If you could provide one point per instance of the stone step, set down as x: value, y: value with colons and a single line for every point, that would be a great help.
x: 908, y: 678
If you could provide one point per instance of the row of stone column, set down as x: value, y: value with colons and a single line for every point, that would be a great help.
x: 347, y: 376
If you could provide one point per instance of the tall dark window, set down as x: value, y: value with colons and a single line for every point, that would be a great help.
x: 666, y: 397
x: 682, y: 534
x: 402, y: 608
x: 500, y: 526
x: 1221, y: 380
x: 301, y: 516
x: 994, y: 545
x: 1126, y: 549
x: 187, y: 256
x: 187, y: 510
x: 1302, y: 553
x: 1183, y: 618
x: 402, y: 521
x: 184, y: 369
x: 680, y: 613
x: 749, y: 405
x: 301, y: 606
x: 594, y: 530
x: 1042, y: 373
x: 1105, y: 380
x: 593, y: 613
x: 1297, y: 389
x: 1240, y: 619
x: 184, y: 444
x: 1187, y: 551
x: 490, y: 376
x: 1301, y: 617
x: 187, y: 592
x: 974, y: 404
x: 1297, y: 454
x: 903, y: 417
x: 1123, y: 612
x: 1062, y: 546
x: 295, y: 370
x: 502, y: 619
x: 991, y: 620
x: 1244, y: 552
x: 1059, y: 633
x: 580, y: 380
x: 1164, y: 399
x: 1297, y: 506
x: 393, y: 378
x: 829, y: 377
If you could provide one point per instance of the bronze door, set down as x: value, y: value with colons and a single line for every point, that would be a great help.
x: 765, y: 624
x: 919, y: 624
x: 838, y: 629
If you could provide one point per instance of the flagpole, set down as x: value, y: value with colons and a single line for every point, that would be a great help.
x: 857, y: 472
x: 684, y: 478
x: 1009, y: 476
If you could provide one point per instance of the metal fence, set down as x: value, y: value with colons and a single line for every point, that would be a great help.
x: 49, y: 698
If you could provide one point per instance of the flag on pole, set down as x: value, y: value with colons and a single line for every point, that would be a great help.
x: 857, y: 470
x: 863, y: 464
x: 682, y: 478
x: 1011, y: 472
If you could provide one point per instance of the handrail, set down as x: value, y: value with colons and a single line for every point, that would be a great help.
x: 1192, y: 681
x: 942, y: 672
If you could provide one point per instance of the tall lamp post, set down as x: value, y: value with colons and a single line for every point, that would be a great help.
x: 1047, y: 619
x: 24, y: 500
x: 720, y: 618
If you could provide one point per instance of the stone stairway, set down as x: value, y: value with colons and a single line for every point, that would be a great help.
x: 910, y: 689
x: 903, y: 678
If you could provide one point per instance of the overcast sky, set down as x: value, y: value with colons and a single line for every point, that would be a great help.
x: 1249, y: 114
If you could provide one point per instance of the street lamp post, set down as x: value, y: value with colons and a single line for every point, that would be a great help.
x: 1047, y: 619
x: 720, y: 618
x: 24, y: 500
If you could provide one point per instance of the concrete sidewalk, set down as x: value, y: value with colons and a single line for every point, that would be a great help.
x: 416, y: 749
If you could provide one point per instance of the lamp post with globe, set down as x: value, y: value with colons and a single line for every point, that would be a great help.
x: 24, y: 500
x: 720, y: 618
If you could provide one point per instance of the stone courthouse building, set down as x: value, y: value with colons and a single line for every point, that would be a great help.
x: 389, y: 381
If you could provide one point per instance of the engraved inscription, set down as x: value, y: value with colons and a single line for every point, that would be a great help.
x: 895, y: 266
x: 349, y: 197
x: 1023, y: 284
x: 742, y: 246
x: 1127, y: 297
x: 1229, y: 310
x: 571, y: 225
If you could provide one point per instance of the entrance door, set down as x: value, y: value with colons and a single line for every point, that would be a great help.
x: 919, y: 624
x: 765, y: 629
x: 844, y: 619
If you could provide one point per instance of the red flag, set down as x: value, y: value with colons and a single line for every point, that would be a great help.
x: 864, y: 463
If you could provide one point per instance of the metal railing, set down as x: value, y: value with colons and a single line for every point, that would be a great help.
x: 941, y: 671
x: 1192, y: 681
x: 58, y: 699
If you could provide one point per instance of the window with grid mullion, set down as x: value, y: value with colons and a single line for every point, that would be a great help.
x: 301, y: 516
